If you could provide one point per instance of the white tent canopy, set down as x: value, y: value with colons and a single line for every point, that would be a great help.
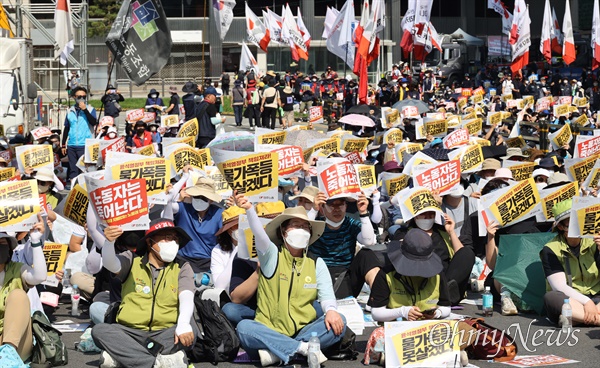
x: 470, y: 40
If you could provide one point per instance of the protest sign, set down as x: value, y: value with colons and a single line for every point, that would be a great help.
x: 538, y: 361
x: 578, y: 168
x: 462, y: 102
x: 189, y: 129
x: 34, y: 156
x: 7, y: 155
x: 41, y: 132
x: 471, y: 158
x: 586, y: 146
x: 114, y: 145
x: 415, y: 201
x: 494, y: 118
x: 354, y: 157
x: 585, y: 217
x: 56, y: 255
x: 480, y: 141
x: 409, y: 112
x: 511, y: 204
x: 520, y: 170
x: 106, y: 121
x: 550, y: 197
x: 436, y: 115
x: 246, y: 242
x: 326, y: 145
x: 149, y: 117
x: 221, y: 186
x: 392, y: 183
x: 392, y: 117
x: 591, y: 182
x: 19, y: 205
x: 421, y: 344
x: 474, y: 126
x: 353, y: 144
x: 134, y: 115
x: 149, y: 150
x: 543, y: 103
x: 582, y: 120
x: 156, y: 172
x: 268, y: 136
x: 436, y: 128
x: 564, y: 100
x: 290, y: 158
x: 407, y: 147
x: 506, y: 97
x: 190, y: 141
x: 516, y: 142
x: 180, y: 155
x: 469, y: 116
x: 580, y: 101
x: 457, y: 138
x: 254, y: 174
x: 338, y: 133
x: 337, y: 178
x: 7, y: 173
x: 475, y: 99
x: 75, y: 206
x: 561, y: 137
x: 121, y: 203
x: 315, y: 115
x: 512, y: 104
x: 561, y: 110
x: 453, y: 121
x: 418, y: 158
x: 92, y: 150
x: 366, y: 178
x: 393, y: 135
x: 442, y: 177
x: 479, y: 91
x: 169, y: 121
x: 528, y: 100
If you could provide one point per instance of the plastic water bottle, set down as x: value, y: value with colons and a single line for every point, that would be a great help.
x: 75, y: 301
x: 314, y: 350
x: 567, y: 316
x: 66, y: 281
x: 488, y: 302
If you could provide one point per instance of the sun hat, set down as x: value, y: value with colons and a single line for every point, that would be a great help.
x: 44, y: 173
x: 503, y: 173
x: 491, y: 164
x: 557, y: 179
x: 538, y: 172
x: 269, y: 209
x: 287, y: 89
x: 414, y: 256
x: 272, y: 228
x: 160, y: 225
x: 189, y: 87
x: 308, y: 193
x: 231, y: 218
x: 562, y: 211
x: 547, y: 163
x: 391, y: 165
x: 513, y: 152
x: 204, y: 187
x: 153, y: 91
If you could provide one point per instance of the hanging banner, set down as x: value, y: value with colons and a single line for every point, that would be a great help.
x: 7, y: 173
x: 511, y: 204
x: 471, y: 158
x: 19, y: 205
x: 366, y: 178
x: 561, y: 137
x: 586, y: 146
x: 520, y: 170
x: 585, y: 217
x: 337, y: 178
x: 180, y: 155
x: 34, y: 156
x: 552, y: 196
x: 268, y: 136
x: 121, y: 203
x: 256, y: 174
x: 75, y: 206
x: 392, y: 183
x: 457, y: 138
x: 315, y: 115
x: 188, y: 129
x: 578, y: 169
x: 442, y: 177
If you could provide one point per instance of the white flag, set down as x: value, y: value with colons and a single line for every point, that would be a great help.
x: 568, y: 42
x: 258, y: 34
x: 63, y: 31
x: 330, y: 18
x: 223, y: 10
x: 546, y: 38
x: 247, y: 60
x: 344, y: 51
x: 291, y: 33
x: 305, y: 34
x: 274, y: 22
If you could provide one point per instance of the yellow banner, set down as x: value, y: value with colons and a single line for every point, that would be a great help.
x: 563, y: 135
x: 56, y: 255
x: 421, y: 201
x: 252, y: 174
x: 581, y: 169
x: 393, y: 186
x: 154, y: 170
x: 565, y: 192
x: 462, y: 103
x: 355, y: 144
x: 520, y: 200
x: 7, y: 173
x: 272, y: 138
x: 516, y: 142
x: 507, y: 97
x: 522, y: 171
x: 19, y: 204
x: 36, y: 156
x: 76, y: 205
x: 189, y: 156
x: 581, y: 101
x: 189, y: 129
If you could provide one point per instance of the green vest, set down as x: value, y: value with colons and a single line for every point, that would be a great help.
x: 584, y: 270
x: 424, y: 296
x: 284, y: 301
x: 146, y: 307
x: 12, y: 281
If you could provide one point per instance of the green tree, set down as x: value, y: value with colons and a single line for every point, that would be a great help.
x: 103, y: 13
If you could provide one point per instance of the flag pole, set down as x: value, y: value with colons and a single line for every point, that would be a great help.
x: 346, y: 60
x: 59, y: 88
x: 203, y: 32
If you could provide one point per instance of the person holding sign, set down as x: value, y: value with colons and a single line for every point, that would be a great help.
x: 80, y: 124
x: 572, y: 269
x: 15, y: 278
x: 285, y: 320
x: 223, y: 254
x: 153, y: 322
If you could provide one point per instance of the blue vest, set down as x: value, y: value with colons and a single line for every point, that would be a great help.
x: 79, y: 127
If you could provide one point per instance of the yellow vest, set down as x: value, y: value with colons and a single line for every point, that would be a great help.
x: 425, y: 293
x: 284, y: 301
x: 12, y: 281
x: 147, y: 307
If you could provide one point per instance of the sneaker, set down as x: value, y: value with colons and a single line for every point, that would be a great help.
x: 106, y: 361
x: 177, y: 360
x: 508, y: 307
x: 322, y: 357
x: 267, y: 358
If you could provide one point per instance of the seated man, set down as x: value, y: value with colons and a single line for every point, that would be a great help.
x: 153, y: 322
x: 285, y: 315
x: 571, y: 266
x: 242, y: 291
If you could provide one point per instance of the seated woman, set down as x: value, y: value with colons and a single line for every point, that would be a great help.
x: 16, y: 278
x: 572, y: 271
x: 223, y: 254
x: 413, y: 287
x: 285, y: 316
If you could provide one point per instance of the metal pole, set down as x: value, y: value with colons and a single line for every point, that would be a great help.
x: 203, y: 32
x: 19, y: 17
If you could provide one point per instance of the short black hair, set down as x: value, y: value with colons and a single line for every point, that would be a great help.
x: 77, y: 89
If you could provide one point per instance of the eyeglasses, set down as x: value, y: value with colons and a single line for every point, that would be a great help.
x: 80, y: 96
x: 541, y: 179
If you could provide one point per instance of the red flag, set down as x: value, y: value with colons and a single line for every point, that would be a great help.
x: 522, y: 36
x: 568, y: 51
x: 546, y: 38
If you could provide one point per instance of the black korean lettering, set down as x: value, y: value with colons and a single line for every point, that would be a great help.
x: 408, y: 350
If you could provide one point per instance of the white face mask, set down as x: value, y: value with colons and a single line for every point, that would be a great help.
x: 200, y: 204
x: 404, y: 85
x: 425, y: 224
x: 112, y: 135
x: 168, y: 251
x: 334, y: 224
x: 43, y: 188
x: 541, y: 186
x: 297, y: 238
x: 234, y: 235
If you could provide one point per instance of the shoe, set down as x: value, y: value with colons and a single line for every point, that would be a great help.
x: 267, y: 358
x: 107, y: 361
x: 464, y: 358
x: 322, y: 357
x: 508, y: 307
x: 453, y: 292
x: 177, y: 360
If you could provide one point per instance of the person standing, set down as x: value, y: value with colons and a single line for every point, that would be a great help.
x: 206, y: 113
x: 225, y: 80
x: 173, y: 108
x: 190, y: 88
x: 111, y: 100
x: 269, y: 105
x: 253, y: 104
x: 219, y: 97
x: 428, y: 86
x: 154, y: 104
x: 286, y: 101
x: 80, y: 124
x: 238, y: 98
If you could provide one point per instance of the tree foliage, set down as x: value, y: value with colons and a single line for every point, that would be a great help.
x: 103, y: 13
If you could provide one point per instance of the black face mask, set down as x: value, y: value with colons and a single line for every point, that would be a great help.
x: 140, y: 131
x: 4, y: 254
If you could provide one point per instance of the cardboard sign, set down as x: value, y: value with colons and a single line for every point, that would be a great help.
x: 471, y: 158
x: 421, y: 343
x: 552, y: 196
x: 134, y: 115
x: 19, y: 205
x: 585, y: 217
x: 7, y: 173
x: 180, y: 155
x: 511, y: 204
x: 290, y: 160
x: 494, y: 118
x: 578, y: 169
x: 561, y: 137
x: 442, y: 177
x: 366, y: 178
x: 315, y: 115
x: 121, y: 203
x: 34, y: 156
x: 169, y: 121
x: 155, y: 171
x: 393, y: 135
x: 352, y: 144
x: 75, y: 206
x: 392, y: 183
x: 56, y: 255
x: 337, y: 178
x: 41, y: 132
x: 520, y: 170
x: 189, y: 129
x: 415, y: 201
x: 267, y: 136
x: 586, y: 146
x: 561, y: 110
x: 457, y: 138
x: 221, y: 186
x: 254, y: 174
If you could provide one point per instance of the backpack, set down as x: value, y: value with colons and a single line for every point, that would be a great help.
x: 491, y: 342
x: 49, y: 350
x: 217, y: 340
